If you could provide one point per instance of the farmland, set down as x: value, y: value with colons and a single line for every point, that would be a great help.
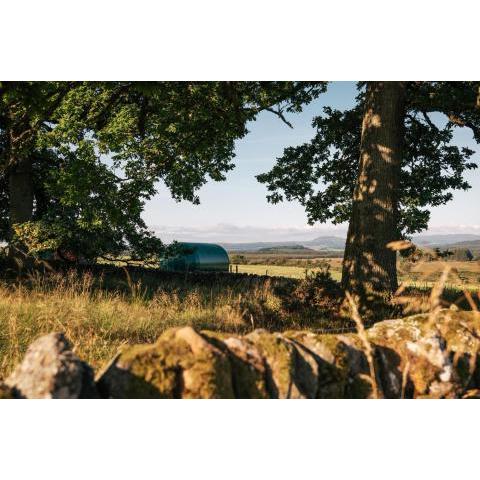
x: 289, y: 271
x: 422, y: 274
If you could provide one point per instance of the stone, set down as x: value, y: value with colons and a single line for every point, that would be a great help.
x: 181, y: 364
x: 208, y: 373
x: 248, y: 369
x: 291, y: 369
x: 342, y: 365
x: 418, y: 358
x: 430, y: 368
x: 51, y: 370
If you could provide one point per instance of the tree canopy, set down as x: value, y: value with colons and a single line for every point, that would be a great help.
x: 78, y: 160
x: 322, y: 173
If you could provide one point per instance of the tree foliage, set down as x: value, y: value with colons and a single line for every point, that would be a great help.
x: 99, y: 149
x: 321, y: 174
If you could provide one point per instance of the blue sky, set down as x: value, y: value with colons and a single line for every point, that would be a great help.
x: 236, y: 210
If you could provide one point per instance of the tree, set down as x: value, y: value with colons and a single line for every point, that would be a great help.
x: 407, y: 164
x: 78, y: 160
x: 368, y: 264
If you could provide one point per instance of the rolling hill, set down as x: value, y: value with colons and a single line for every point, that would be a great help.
x: 319, y: 243
x: 334, y: 243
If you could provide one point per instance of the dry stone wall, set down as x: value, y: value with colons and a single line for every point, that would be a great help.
x: 413, y: 357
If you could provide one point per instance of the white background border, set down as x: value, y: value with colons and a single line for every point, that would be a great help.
x: 239, y: 439
x: 305, y: 40
x: 232, y: 39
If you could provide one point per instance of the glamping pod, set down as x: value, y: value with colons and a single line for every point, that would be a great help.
x: 198, y: 257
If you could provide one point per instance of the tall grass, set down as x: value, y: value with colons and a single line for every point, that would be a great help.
x: 100, y: 310
x: 99, y: 318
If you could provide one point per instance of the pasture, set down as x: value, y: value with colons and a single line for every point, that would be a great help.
x: 420, y: 275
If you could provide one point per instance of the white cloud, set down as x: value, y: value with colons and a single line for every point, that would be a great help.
x: 224, y: 232
x: 247, y: 233
x: 451, y: 229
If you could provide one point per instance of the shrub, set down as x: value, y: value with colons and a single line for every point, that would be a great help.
x: 318, y: 292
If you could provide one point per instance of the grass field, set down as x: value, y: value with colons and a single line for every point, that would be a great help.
x: 282, y: 271
x: 422, y: 275
x: 100, y: 313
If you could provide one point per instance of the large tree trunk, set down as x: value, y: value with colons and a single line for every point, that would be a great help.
x: 20, y: 192
x: 369, y: 266
x: 20, y: 184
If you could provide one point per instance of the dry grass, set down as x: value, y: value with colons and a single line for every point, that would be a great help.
x: 366, y: 346
x: 99, y: 315
x: 98, y: 321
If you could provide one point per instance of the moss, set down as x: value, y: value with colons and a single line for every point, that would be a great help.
x: 247, y: 364
x: 461, y: 330
x: 206, y: 372
x: 217, y: 337
x: 331, y: 379
x: 248, y: 369
x: 342, y: 364
x: 173, y: 367
x: 279, y: 356
x: 143, y: 371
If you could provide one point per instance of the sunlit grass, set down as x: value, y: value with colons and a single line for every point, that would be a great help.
x: 423, y: 276
x: 99, y: 314
x: 282, y: 271
x: 99, y: 321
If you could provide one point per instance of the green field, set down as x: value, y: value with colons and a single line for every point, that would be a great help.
x: 281, y: 271
x: 423, y: 275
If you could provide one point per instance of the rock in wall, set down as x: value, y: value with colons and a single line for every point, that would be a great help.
x: 50, y: 370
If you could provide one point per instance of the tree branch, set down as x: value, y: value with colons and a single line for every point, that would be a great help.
x: 280, y: 115
x: 429, y: 121
x: 457, y: 120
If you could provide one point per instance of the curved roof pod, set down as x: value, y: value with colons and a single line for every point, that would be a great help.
x: 206, y: 257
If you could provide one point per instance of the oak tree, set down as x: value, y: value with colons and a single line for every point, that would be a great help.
x: 78, y: 160
x: 380, y: 166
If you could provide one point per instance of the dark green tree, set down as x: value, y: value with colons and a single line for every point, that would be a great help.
x: 78, y: 160
x: 402, y: 132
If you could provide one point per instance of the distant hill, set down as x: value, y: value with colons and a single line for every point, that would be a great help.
x: 468, y: 244
x: 286, y: 249
x: 330, y: 242
x: 472, y: 245
x: 460, y: 240
x: 254, y: 246
x: 319, y: 243
x: 447, y: 239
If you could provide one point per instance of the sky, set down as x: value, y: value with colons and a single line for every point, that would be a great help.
x: 236, y: 210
